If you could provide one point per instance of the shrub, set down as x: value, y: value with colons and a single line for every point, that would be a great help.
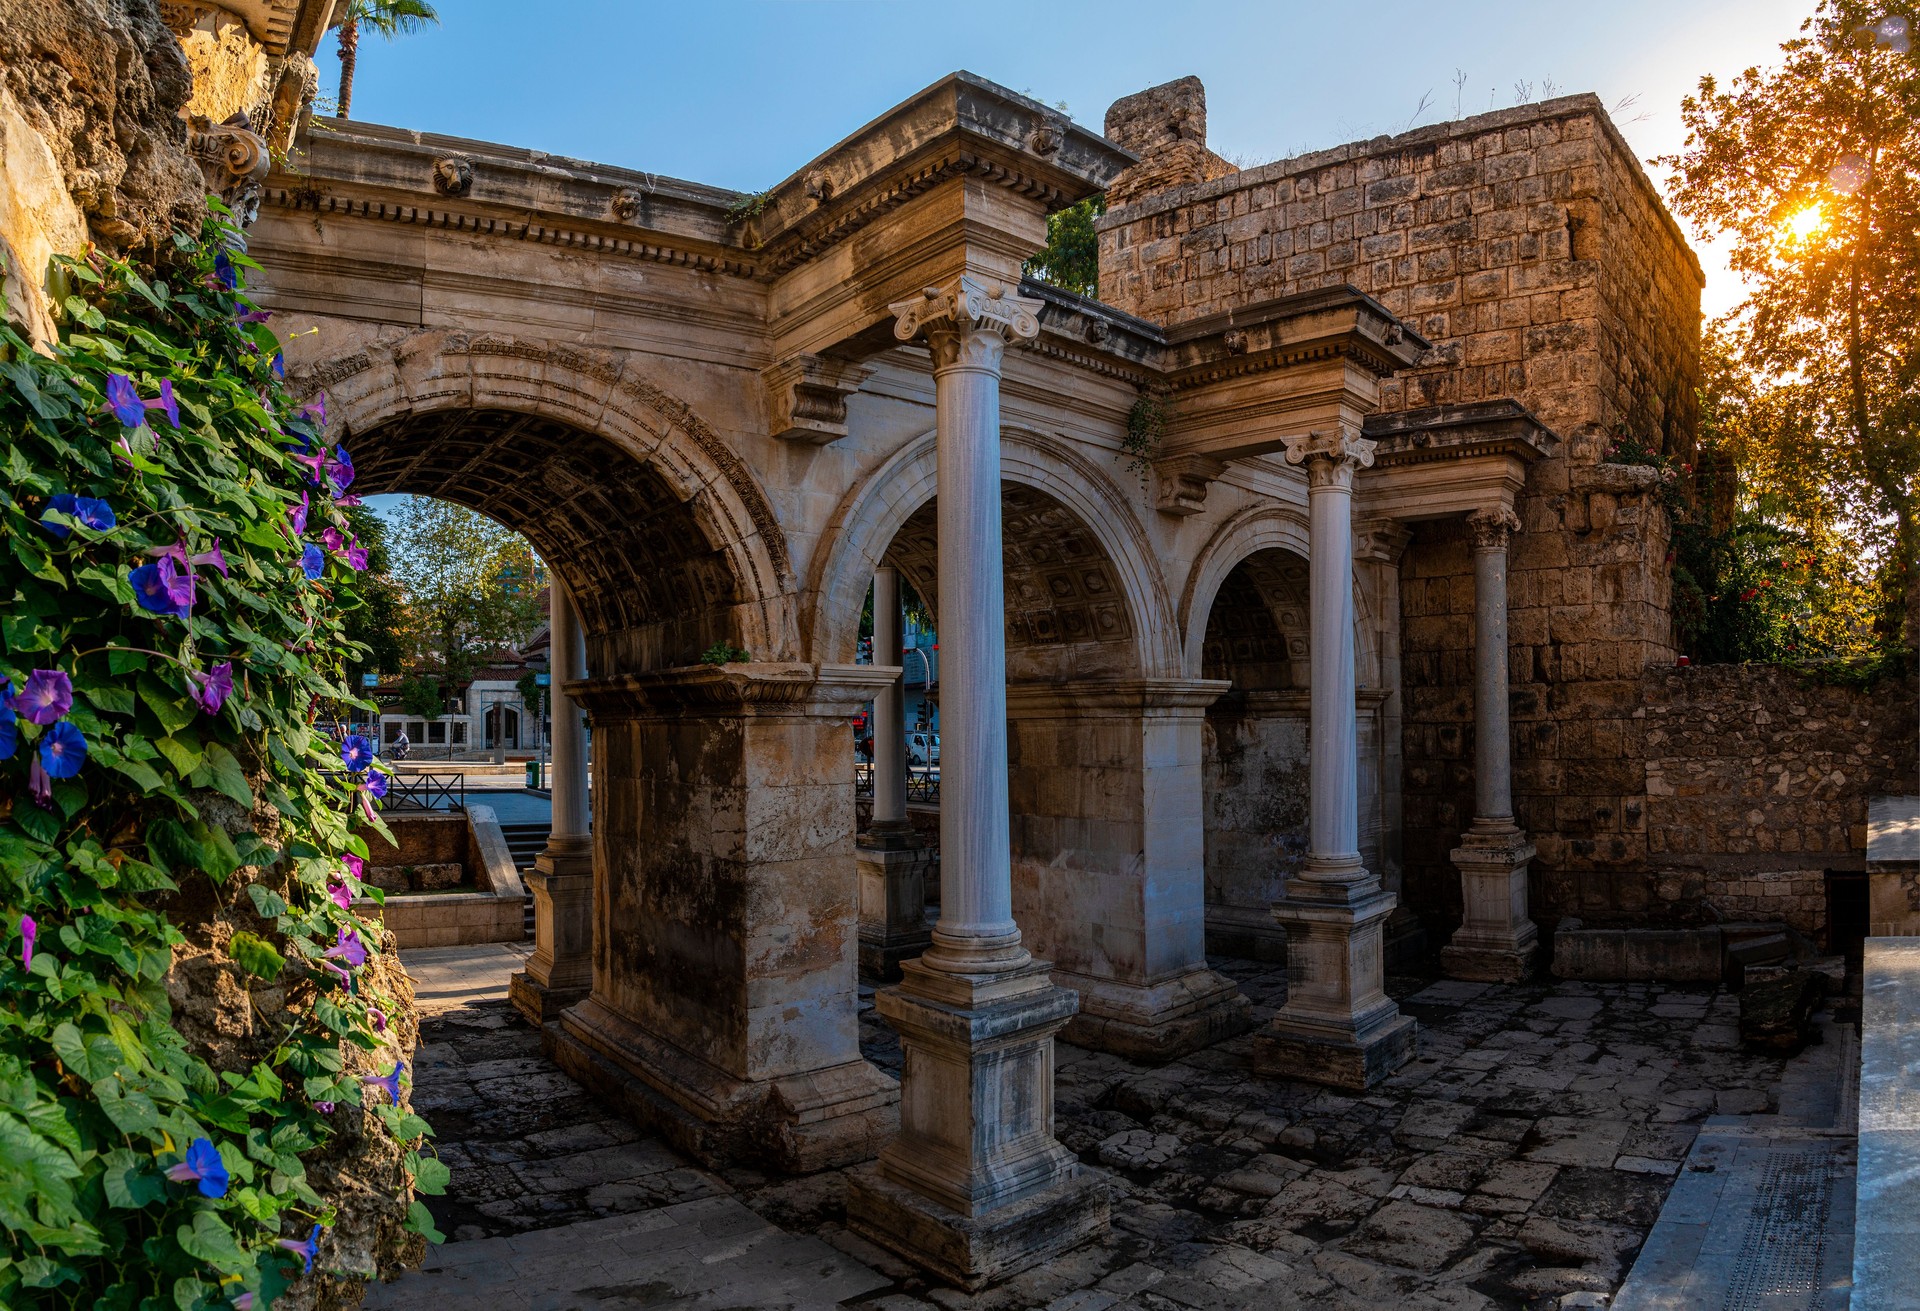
x: 175, y: 565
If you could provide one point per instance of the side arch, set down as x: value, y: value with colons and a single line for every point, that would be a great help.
x: 874, y: 510
x: 402, y: 374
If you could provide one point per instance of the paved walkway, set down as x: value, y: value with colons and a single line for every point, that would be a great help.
x: 1523, y: 1158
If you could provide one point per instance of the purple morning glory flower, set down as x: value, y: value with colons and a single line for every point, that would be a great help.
x: 95, y: 514
x: 203, y: 1165
x: 39, y: 786
x: 213, y: 557
x: 47, y: 696
x: 307, y: 1248
x: 356, y: 752
x: 325, y: 1108
x: 376, y: 783
x: 317, y: 410
x: 279, y: 365
x: 253, y: 316
x: 9, y: 732
x: 297, y: 515
x: 340, y: 469
x: 347, y: 947
x: 379, y: 1019
x: 166, y: 402
x: 28, y: 932
x: 341, y: 894
x: 212, y: 688
x: 345, y: 978
x: 390, y: 1081
x: 331, y: 539
x: 354, y: 865
x: 244, y: 1302
x: 123, y: 400
x: 313, y: 562
x: 223, y: 270
x: 161, y: 588
x: 356, y: 555
x: 63, y: 750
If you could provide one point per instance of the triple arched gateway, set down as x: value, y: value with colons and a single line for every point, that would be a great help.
x: 1166, y: 562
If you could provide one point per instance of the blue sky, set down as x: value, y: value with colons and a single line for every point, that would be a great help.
x: 741, y: 93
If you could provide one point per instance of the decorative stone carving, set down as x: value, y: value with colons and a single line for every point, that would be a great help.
x: 807, y: 397
x: 1180, y: 483
x: 453, y: 176
x: 819, y: 187
x: 626, y: 203
x: 235, y: 162
x: 1234, y: 341
x: 1098, y: 330
x: 182, y: 16
x: 1331, y: 458
x: 1490, y: 528
x: 1045, y: 139
x: 970, y: 317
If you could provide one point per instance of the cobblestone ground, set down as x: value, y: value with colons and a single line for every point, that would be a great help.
x: 1523, y: 1156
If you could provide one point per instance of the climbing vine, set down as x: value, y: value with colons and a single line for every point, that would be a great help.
x: 174, y: 565
x: 1146, y: 429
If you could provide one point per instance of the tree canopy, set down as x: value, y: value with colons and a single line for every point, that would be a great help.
x: 1811, y: 170
x: 468, y: 584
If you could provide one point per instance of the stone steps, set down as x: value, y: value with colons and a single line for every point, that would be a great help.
x: 526, y: 841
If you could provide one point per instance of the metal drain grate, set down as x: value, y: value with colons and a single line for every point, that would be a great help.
x: 1786, y: 1236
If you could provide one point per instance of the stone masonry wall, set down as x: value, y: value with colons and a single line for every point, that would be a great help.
x: 1528, y: 246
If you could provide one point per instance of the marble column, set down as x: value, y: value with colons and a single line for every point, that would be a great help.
x: 1338, y: 1026
x: 893, y: 866
x: 560, y: 971
x: 975, y: 1187
x: 1496, y: 940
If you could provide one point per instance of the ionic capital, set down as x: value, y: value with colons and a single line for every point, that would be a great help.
x: 969, y: 322
x: 1331, y: 458
x: 233, y: 159
x: 1492, y: 527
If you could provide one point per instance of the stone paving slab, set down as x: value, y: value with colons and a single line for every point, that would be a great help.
x: 705, y: 1255
x: 446, y: 977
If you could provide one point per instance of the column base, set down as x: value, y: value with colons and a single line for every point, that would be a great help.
x: 795, y: 1124
x: 538, y: 1002
x: 971, y: 1252
x: 560, y: 971
x: 892, y: 869
x: 1496, y: 942
x: 1338, y: 1027
x: 975, y: 1187
x: 1157, y: 1024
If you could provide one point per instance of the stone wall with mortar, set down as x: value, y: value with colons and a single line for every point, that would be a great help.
x: 1529, y: 247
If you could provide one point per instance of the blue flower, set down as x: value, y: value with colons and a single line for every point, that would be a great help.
x: 356, y: 752
x: 390, y: 1081
x: 223, y: 270
x: 123, y: 400
x: 376, y: 783
x: 95, y: 514
x: 63, y: 750
x: 279, y: 365
x: 203, y: 1164
x: 306, y: 1250
x: 160, y: 587
x: 313, y: 561
x: 9, y: 730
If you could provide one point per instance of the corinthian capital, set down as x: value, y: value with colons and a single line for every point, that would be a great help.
x: 1492, y: 527
x: 1331, y: 457
x: 969, y: 321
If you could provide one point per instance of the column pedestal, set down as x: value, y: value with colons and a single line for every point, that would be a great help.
x: 975, y: 1187
x: 560, y: 971
x: 1496, y: 941
x: 1338, y: 1027
x: 893, y: 900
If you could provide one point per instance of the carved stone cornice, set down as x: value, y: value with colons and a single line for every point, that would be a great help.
x: 234, y: 160
x: 1180, y: 483
x: 967, y: 323
x: 1439, y: 433
x: 1492, y: 527
x: 807, y: 397
x: 1332, y: 457
x: 748, y: 688
x: 1383, y: 541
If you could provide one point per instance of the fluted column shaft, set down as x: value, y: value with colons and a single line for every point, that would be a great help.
x: 889, y: 706
x: 569, y: 662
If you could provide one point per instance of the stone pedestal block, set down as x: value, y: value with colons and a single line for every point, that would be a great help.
x: 1157, y: 1023
x: 1495, y: 942
x: 975, y: 1187
x: 560, y: 971
x: 893, y: 900
x: 1338, y: 1027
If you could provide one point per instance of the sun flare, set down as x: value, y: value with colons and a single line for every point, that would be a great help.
x: 1804, y: 223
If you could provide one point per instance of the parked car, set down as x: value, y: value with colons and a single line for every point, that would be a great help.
x: 923, y: 748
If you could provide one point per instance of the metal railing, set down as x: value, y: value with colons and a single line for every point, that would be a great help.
x: 923, y: 782
x: 426, y: 792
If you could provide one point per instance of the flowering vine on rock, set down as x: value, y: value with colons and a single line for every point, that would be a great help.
x: 166, y: 801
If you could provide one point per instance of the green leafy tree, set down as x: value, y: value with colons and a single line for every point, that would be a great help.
x: 423, y: 697
x: 1071, y: 259
x: 384, y: 18
x: 1811, y: 171
x: 171, y: 821
x: 469, y: 586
